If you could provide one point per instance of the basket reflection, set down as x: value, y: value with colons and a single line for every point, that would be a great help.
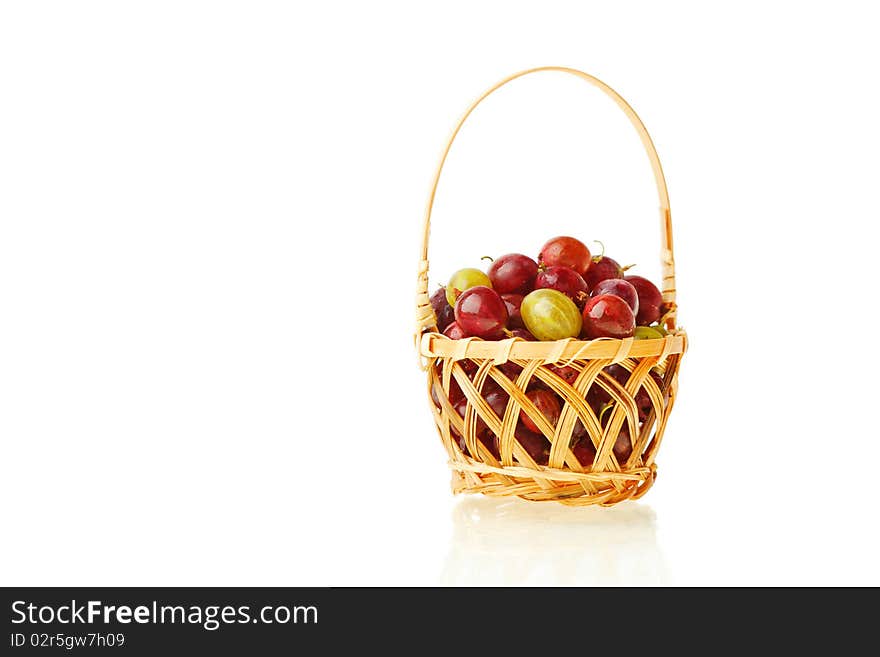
x: 503, y: 541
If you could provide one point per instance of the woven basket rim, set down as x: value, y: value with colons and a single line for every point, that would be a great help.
x: 437, y: 345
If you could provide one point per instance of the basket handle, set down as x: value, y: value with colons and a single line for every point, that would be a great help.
x: 425, y: 315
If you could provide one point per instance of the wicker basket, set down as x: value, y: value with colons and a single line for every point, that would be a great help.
x: 651, y: 372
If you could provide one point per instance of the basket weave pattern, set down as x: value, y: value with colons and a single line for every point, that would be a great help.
x: 650, y: 372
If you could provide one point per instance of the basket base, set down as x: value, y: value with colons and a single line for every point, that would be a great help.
x: 570, y: 494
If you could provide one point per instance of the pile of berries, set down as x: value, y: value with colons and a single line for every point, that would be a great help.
x: 565, y: 294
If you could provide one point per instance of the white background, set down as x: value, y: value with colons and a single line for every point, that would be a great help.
x: 209, y: 225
